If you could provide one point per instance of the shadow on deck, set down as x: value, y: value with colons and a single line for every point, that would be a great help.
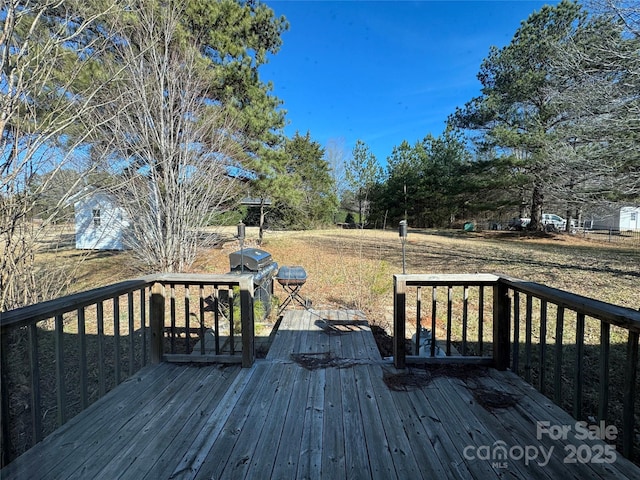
x: 322, y: 404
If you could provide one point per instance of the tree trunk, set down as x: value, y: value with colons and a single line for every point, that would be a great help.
x: 261, y: 230
x: 523, y: 206
x: 578, y: 217
x: 360, y: 209
x: 537, y: 200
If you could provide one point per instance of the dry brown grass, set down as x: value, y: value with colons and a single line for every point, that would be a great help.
x: 354, y: 268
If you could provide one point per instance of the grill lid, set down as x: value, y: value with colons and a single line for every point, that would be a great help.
x: 253, y: 259
x: 291, y: 275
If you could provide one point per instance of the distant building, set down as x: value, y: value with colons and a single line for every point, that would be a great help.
x: 256, y: 202
x: 624, y: 219
x: 100, y: 223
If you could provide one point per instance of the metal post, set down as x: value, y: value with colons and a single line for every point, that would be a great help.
x: 241, y: 232
x: 402, y: 230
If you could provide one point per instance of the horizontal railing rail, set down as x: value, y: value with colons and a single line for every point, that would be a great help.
x: 607, y: 312
x: 580, y: 352
x: 60, y: 356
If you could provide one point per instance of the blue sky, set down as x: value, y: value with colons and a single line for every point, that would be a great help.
x: 384, y: 71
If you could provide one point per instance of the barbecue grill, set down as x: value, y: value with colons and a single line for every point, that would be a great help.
x: 292, y: 278
x: 261, y: 265
x: 249, y: 259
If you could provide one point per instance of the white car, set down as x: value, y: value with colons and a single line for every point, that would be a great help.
x: 551, y: 221
x: 557, y: 221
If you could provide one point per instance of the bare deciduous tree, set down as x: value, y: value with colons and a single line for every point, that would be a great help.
x: 336, y: 155
x: 171, y: 148
x: 362, y: 173
x: 45, y: 55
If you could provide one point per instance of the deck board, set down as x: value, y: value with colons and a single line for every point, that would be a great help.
x: 433, y: 464
x: 439, y: 435
x: 288, y: 449
x: 192, y: 418
x: 166, y: 420
x: 219, y: 457
x: 333, y: 461
x: 201, y: 441
x: 262, y: 460
x: 68, y: 447
x: 356, y: 456
x: 310, y: 459
x: 456, y: 428
x: 534, y: 403
x: 327, y: 415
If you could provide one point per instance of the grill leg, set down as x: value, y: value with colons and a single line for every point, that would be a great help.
x: 293, y: 294
x: 284, y: 304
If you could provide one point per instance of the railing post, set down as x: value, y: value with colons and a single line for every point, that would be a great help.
x: 399, y: 321
x: 156, y: 321
x: 247, y: 322
x: 5, y: 435
x: 629, y: 395
x: 61, y: 389
x: 501, y: 325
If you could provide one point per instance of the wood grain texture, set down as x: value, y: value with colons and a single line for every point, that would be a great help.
x: 329, y: 414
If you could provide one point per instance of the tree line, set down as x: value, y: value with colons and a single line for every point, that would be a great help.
x: 161, y: 104
x: 557, y: 124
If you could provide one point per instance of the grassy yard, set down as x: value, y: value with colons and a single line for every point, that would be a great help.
x: 354, y: 268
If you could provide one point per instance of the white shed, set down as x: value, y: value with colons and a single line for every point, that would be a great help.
x: 100, y: 223
x: 624, y: 219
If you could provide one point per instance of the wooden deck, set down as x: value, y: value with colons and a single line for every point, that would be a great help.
x: 316, y: 407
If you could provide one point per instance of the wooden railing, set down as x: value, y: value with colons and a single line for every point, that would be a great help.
x: 216, y: 297
x: 60, y: 356
x: 408, y: 290
x: 580, y: 352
